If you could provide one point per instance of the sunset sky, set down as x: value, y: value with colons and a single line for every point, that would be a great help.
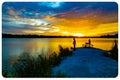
x: 60, y: 18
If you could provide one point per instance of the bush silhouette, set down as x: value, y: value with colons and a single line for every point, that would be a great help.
x: 40, y: 66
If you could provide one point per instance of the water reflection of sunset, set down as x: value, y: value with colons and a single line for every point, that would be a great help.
x: 50, y: 45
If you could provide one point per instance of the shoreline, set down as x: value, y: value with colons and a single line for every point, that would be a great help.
x: 82, y: 63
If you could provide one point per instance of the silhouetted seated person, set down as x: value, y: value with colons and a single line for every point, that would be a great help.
x: 88, y: 44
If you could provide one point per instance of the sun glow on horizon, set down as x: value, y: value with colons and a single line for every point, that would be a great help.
x: 60, y: 18
x: 78, y: 35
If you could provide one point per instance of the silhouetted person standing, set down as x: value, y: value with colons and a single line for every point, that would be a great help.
x: 74, y: 43
x: 115, y: 43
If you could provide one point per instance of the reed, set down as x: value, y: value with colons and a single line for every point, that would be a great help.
x: 40, y: 66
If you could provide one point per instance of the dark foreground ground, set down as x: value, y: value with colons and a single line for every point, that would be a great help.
x: 88, y: 62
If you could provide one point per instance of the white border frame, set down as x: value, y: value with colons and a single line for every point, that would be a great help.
x: 2, y: 1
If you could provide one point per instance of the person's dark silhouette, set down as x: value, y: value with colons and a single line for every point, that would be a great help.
x: 74, y: 43
x: 115, y: 43
x: 89, y: 42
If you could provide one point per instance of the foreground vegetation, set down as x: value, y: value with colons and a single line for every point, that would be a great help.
x: 40, y: 66
x: 113, y: 53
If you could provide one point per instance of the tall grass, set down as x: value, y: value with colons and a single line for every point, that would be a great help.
x: 40, y: 66
x: 29, y: 66
x: 113, y: 53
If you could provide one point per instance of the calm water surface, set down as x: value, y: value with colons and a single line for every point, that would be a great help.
x: 12, y: 47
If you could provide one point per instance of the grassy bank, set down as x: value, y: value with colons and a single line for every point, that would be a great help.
x: 40, y: 66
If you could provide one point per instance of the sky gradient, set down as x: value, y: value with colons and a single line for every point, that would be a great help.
x: 60, y: 18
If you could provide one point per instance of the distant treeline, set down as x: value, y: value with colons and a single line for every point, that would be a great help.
x: 32, y: 36
x: 42, y: 36
x: 110, y: 36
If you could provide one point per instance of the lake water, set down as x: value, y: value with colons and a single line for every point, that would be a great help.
x: 12, y: 47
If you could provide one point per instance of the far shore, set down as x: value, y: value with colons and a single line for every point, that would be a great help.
x: 44, y: 36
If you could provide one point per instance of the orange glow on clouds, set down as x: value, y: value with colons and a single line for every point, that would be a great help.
x: 75, y: 21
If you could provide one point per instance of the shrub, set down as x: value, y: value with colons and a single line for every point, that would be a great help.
x: 28, y: 66
x: 40, y: 66
x: 113, y: 53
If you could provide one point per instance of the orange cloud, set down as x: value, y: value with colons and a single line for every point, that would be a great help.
x: 88, y: 24
x: 12, y: 11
